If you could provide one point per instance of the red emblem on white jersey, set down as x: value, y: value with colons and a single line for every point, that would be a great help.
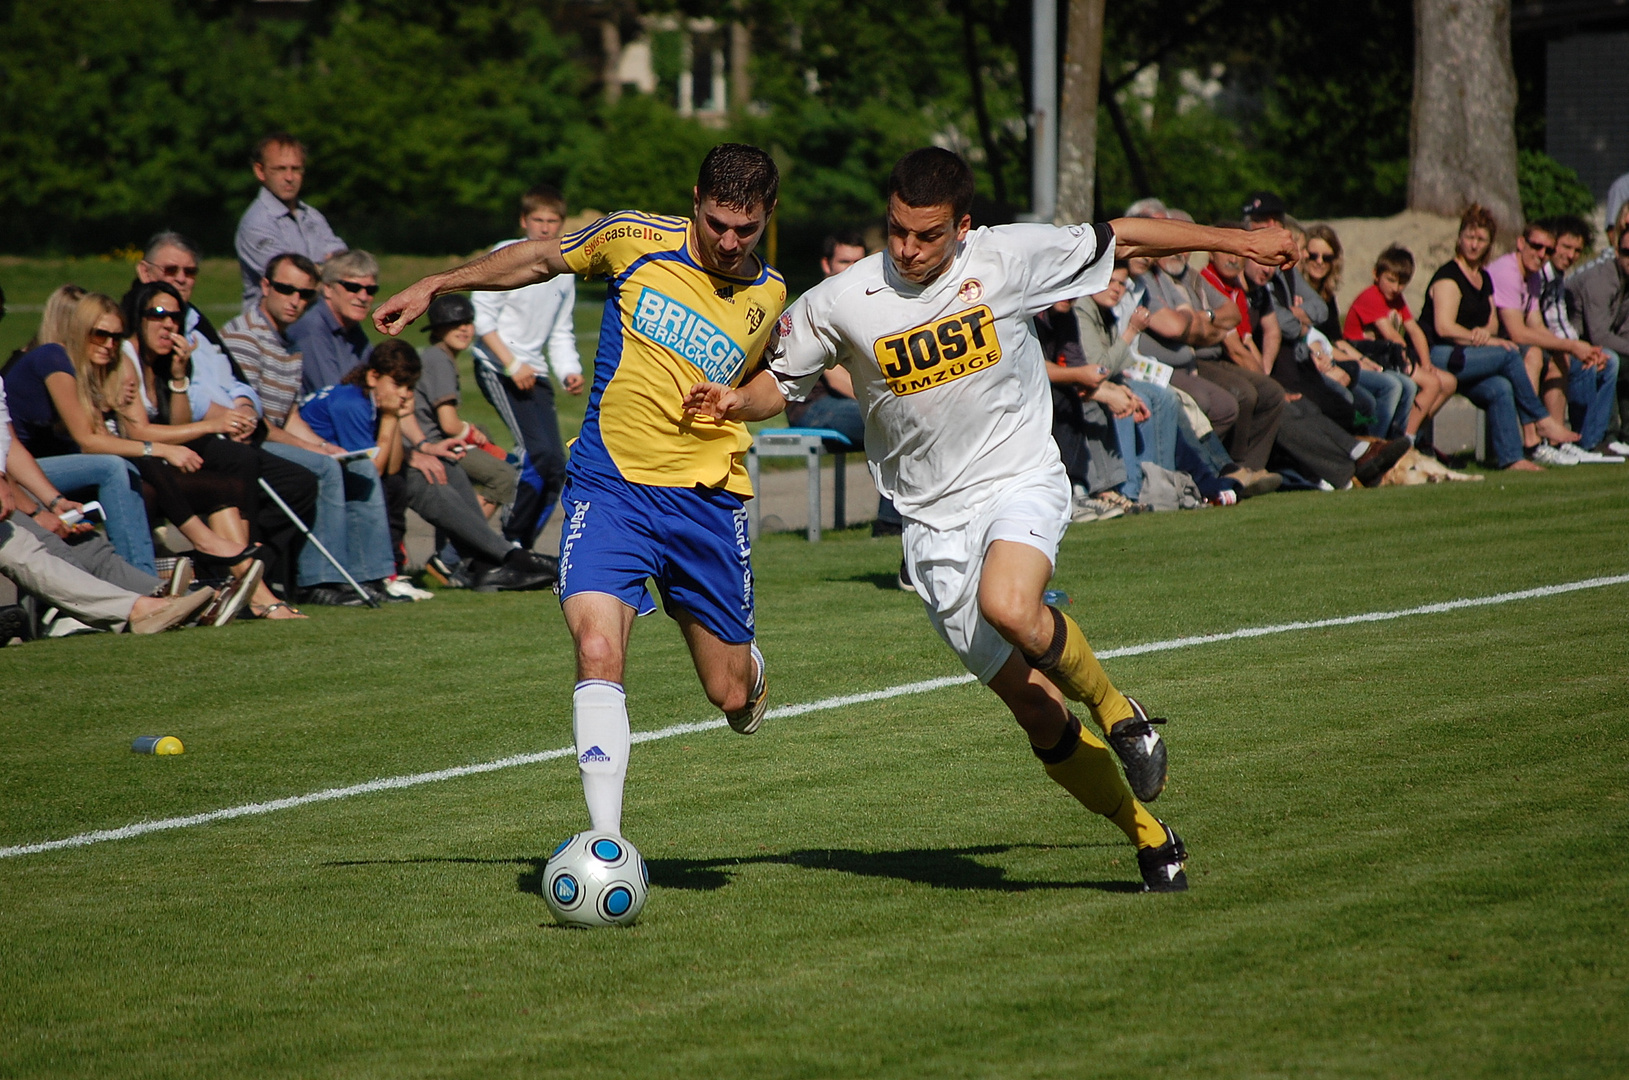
x: 971, y: 292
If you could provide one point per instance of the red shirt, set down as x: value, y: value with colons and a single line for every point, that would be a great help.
x: 1233, y: 293
x: 1371, y: 307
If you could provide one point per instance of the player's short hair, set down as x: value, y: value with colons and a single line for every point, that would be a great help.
x: 543, y: 197
x: 349, y: 264
x: 276, y: 138
x: 1570, y: 225
x: 933, y: 176
x: 1397, y: 261
x: 395, y: 358
x: 169, y: 238
x: 298, y: 261
x: 841, y: 238
x: 739, y: 177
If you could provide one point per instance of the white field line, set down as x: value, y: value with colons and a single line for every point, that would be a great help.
x: 389, y: 783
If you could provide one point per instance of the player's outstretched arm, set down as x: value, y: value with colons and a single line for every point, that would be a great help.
x: 510, y: 267
x: 758, y: 398
x: 1157, y: 237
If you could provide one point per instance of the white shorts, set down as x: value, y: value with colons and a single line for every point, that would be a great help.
x: 946, y: 564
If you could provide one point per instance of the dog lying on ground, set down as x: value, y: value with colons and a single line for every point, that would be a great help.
x: 1418, y: 468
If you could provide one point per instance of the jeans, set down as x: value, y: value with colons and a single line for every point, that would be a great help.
x: 1155, y: 439
x: 118, y: 489
x: 531, y: 419
x: 1589, y: 391
x: 1393, y: 394
x: 1495, y: 379
x: 351, y: 521
x: 843, y: 414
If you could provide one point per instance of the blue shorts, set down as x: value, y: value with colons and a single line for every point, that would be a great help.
x: 693, y: 541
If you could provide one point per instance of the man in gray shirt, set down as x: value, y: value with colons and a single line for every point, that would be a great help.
x: 1599, y: 299
x: 277, y: 222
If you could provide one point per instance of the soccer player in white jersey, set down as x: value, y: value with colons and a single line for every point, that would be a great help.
x: 936, y: 333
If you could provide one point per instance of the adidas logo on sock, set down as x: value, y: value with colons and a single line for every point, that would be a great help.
x: 594, y: 754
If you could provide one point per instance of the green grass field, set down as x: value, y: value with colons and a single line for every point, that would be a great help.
x: 1407, y: 837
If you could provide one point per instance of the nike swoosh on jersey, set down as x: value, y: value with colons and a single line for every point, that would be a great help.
x: 873, y: 292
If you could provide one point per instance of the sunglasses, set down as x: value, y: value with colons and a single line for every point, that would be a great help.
x: 162, y: 313
x: 105, y: 335
x: 357, y: 286
x: 1542, y: 249
x: 289, y: 290
x: 1319, y: 257
x: 175, y: 271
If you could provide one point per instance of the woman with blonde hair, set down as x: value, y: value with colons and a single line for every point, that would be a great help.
x: 36, y: 381
x: 71, y: 392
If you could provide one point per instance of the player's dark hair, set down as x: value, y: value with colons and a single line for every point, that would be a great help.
x: 296, y: 260
x: 395, y: 358
x: 276, y: 138
x: 1570, y: 225
x: 739, y: 177
x: 841, y: 238
x: 1395, y: 260
x: 543, y: 197
x: 933, y: 177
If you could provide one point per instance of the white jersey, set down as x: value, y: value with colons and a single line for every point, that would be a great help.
x: 949, y: 376
x: 531, y: 319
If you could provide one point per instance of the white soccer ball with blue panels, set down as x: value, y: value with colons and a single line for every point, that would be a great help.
x: 596, y: 879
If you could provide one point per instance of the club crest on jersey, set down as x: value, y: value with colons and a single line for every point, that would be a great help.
x: 670, y: 324
x: 755, y: 317
x: 971, y: 292
x: 939, y: 352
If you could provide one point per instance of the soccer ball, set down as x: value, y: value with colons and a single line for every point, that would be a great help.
x: 595, y: 879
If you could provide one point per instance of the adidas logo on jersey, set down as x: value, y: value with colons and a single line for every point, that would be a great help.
x: 594, y: 755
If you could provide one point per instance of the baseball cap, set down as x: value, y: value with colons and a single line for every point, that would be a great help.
x: 1264, y: 204
x: 453, y: 309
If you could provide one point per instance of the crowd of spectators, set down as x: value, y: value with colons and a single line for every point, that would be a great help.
x: 280, y: 454
x: 1242, y: 379
x: 159, y: 472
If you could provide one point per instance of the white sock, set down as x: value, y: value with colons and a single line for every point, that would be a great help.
x: 599, y: 724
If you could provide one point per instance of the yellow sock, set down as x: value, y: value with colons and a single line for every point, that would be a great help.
x: 1092, y: 775
x: 1074, y: 669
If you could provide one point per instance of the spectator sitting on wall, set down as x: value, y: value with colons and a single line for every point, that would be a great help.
x: 1462, y: 329
x: 1599, y: 300
x: 1591, y: 387
x: 278, y: 222
x: 351, y: 521
x: 1516, y: 286
x: 329, y: 336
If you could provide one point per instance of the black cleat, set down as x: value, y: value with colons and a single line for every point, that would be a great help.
x: 1162, y: 866
x: 1141, y: 752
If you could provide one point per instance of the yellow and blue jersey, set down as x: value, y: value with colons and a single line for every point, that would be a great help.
x: 669, y: 323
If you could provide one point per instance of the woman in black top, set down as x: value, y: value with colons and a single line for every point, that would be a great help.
x: 1463, y: 331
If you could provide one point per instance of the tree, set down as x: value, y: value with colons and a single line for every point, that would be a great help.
x: 1077, y: 110
x: 1462, y: 138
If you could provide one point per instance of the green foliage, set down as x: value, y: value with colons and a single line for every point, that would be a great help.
x: 1549, y: 188
x: 1197, y: 159
x: 641, y: 156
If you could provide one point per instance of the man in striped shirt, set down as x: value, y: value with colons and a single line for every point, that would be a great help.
x: 351, y: 518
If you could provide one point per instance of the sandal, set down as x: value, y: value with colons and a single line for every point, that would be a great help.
x: 265, y: 612
x: 205, y: 559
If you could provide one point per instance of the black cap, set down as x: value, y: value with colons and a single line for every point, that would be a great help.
x: 1264, y: 204
x: 454, y: 309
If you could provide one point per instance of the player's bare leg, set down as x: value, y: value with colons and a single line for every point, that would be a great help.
x: 600, y: 625
x: 1083, y: 766
x: 1011, y: 589
x: 732, y: 675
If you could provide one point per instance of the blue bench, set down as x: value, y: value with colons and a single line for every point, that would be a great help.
x: 809, y: 444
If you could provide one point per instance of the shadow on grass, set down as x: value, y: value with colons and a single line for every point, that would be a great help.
x: 886, y: 582
x: 940, y: 868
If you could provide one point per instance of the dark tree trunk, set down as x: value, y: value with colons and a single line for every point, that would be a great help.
x: 1077, y: 111
x: 1462, y: 139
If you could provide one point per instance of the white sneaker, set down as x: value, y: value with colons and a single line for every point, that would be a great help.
x: 1618, y: 447
x: 401, y: 587
x: 59, y: 625
x: 1570, y: 453
x: 1590, y: 457
x: 1545, y: 454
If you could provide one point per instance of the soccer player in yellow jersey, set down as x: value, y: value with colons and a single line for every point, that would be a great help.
x: 653, y: 490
